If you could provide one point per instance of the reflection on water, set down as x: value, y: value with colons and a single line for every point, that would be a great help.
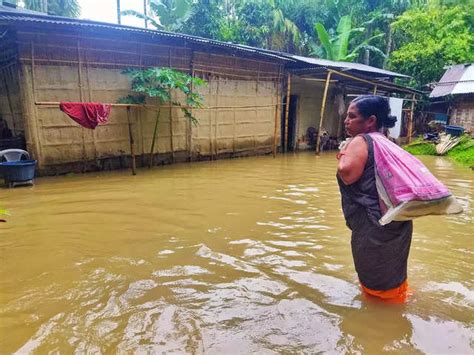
x: 233, y: 256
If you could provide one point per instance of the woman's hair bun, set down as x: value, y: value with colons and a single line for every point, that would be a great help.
x: 389, y: 121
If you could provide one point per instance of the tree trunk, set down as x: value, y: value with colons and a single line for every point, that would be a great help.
x: 118, y: 12
x: 368, y: 34
x: 389, y: 47
x: 145, y: 12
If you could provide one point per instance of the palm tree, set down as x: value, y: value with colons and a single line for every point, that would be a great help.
x: 168, y: 15
x: 67, y: 8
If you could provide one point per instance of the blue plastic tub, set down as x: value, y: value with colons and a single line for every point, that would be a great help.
x: 18, y: 171
x: 454, y: 130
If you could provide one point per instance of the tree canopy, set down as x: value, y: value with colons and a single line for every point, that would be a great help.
x: 414, y: 37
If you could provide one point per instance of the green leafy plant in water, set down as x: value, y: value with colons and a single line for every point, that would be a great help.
x: 160, y: 83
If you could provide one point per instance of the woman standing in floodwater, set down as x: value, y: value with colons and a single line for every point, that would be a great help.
x: 380, y: 252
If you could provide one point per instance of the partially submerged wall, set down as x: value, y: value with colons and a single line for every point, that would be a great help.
x: 310, y: 96
x: 238, y: 119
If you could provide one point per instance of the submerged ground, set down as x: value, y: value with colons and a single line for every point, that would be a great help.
x: 235, y: 256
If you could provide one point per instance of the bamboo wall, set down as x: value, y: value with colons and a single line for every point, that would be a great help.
x: 241, y: 97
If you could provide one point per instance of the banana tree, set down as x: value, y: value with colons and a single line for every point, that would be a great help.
x: 160, y: 83
x: 337, y: 47
x: 168, y: 15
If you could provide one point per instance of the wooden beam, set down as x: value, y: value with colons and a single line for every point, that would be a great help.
x: 277, y: 111
x: 287, y: 110
x: 410, y: 120
x: 370, y: 81
x: 130, y: 137
x: 323, y: 107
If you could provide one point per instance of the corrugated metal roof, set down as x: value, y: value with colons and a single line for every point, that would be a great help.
x: 457, y: 80
x: 362, y: 68
x: 15, y: 16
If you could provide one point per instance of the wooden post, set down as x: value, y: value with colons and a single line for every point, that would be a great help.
x: 89, y: 91
x: 375, y: 90
x: 171, y: 114
x: 216, y: 146
x: 410, y: 120
x: 211, y: 149
x: 189, y: 125
x: 81, y: 96
x: 130, y: 136
x: 287, y: 111
x: 277, y: 106
x: 323, y: 107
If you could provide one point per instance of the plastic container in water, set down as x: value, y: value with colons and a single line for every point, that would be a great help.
x: 454, y: 130
x: 18, y: 171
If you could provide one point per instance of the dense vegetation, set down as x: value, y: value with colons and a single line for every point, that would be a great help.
x: 463, y: 152
x: 414, y: 37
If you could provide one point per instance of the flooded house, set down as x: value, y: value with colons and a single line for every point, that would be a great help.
x: 256, y: 101
x: 452, y: 98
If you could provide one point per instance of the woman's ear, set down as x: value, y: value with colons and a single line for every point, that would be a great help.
x: 372, y: 121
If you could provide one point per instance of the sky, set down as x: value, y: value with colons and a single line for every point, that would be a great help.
x: 106, y: 11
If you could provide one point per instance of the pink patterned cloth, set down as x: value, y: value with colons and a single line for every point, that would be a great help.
x: 405, y: 186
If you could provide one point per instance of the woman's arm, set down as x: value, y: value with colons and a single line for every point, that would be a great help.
x: 352, y: 161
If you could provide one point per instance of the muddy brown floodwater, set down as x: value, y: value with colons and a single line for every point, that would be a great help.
x: 236, y: 256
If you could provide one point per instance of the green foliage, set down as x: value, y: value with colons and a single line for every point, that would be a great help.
x: 168, y: 15
x: 67, y: 8
x: 206, y: 19
x: 464, y: 152
x: 429, y: 39
x: 159, y: 83
x: 420, y: 147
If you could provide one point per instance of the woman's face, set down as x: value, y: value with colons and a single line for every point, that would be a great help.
x: 356, y: 124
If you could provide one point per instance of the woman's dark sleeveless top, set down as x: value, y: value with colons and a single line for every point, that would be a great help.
x: 380, y: 252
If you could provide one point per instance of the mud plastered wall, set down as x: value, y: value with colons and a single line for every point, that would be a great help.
x: 310, y: 96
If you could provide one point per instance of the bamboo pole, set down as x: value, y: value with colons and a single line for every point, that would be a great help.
x: 152, y: 149
x: 216, y: 117
x: 323, y: 107
x: 26, y: 107
x: 171, y: 114
x: 132, y: 148
x: 210, y: 121
x: 250, y: 107
x: 189, y: 125
x: 410, y: 120
x: 89, y: 91
x: 277, y: 105
x: 287, y: 111
x: 81, y: 95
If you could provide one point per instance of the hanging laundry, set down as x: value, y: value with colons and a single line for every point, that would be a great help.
x: 87, y: 114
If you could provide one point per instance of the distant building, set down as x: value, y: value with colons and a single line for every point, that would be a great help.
x: 453, y: 96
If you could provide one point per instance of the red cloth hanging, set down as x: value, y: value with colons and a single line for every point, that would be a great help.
x: 87, y: 114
